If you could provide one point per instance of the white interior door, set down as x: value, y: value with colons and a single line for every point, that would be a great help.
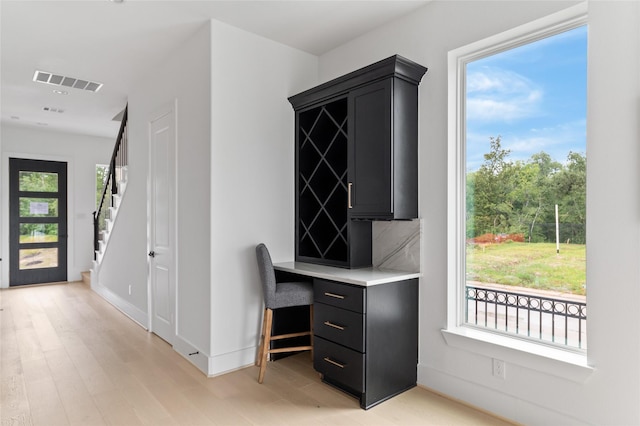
x: 162, y: 225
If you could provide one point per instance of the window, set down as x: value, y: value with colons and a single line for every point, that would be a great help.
x: 517, y: 184
x: 102, y: 173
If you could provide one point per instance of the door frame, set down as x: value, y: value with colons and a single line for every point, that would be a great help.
x: 168, y: 108
x: 4, y: 209
x: 38, y: 275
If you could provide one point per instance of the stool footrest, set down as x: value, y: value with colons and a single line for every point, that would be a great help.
x: 293, y: 349
x: 290, y: 335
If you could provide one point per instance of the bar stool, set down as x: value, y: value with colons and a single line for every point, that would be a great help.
x: 276, y: 296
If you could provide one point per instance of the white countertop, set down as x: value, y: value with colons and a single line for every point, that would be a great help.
x: 361, y: 276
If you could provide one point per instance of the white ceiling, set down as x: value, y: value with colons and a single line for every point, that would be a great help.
x: 119, y: 43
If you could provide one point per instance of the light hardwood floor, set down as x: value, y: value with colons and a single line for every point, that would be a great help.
x: 68, y: 357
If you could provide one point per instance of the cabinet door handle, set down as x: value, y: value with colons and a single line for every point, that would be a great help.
x: 337, y: 296
x: 330, y: 324
x: 349, y: 185
x: 337, y: 364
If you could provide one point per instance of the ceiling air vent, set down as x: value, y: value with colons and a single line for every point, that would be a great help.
x: 61, y: 80
x: 52, y: 109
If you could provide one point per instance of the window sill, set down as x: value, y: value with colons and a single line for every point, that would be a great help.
x: 557, y: 362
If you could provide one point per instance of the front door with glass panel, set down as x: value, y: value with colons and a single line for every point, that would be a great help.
x: 38, y: 221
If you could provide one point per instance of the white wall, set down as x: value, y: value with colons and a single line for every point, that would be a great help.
x: 183, y: 78
x: 252, y: 187
x: 234, y: 187
x: 612, y: 392
x: 613, y: 212
x: 82, y: 153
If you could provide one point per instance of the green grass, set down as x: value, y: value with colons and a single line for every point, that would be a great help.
x: 532, y: 265
x: 38, y: 239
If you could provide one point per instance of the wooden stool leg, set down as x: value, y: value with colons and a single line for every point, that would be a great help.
x: 268, y: 319
x: 311, y: 329
x: 261, y: 345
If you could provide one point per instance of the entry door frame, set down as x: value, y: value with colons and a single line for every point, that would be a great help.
x: 38, y: 275
x: 171, y: 108
x: 4, y: 208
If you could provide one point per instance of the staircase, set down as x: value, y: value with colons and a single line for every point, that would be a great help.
x: 114, y: 188
x: 107, y: 220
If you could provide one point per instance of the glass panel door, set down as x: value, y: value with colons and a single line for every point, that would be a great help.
x: 38, y: 221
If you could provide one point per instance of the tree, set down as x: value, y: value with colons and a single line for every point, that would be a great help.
x: 527, y: 197
x: 503, y: 196
x: 542, y: 202
x: 569, y: 187
x: 38, y: 182
x: 102, y: 173
x: 491, y: 185
x: 101, y: 179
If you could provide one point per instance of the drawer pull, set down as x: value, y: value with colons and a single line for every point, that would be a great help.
x: 337, y: 296
x: 330, y: 324
x: 337, y: 364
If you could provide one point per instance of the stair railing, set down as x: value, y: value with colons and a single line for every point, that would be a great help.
x: 118, y: 161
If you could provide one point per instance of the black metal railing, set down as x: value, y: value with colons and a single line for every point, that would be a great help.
x: 114, y: 175
x: 554, y: 320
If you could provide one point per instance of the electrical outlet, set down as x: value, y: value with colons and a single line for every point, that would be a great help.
x: 499, y: 368
x: 129, y: 289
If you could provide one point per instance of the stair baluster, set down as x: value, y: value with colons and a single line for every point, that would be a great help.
x: 111, y: 187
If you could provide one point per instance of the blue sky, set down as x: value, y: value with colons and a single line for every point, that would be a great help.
x: 533, y: 96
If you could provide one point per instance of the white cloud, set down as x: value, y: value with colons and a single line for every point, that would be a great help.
x: 495, y: 94
x: 556, y: 141
x: 532, y: 145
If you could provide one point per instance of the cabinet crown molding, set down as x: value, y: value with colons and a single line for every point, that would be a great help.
x: 394, y: 66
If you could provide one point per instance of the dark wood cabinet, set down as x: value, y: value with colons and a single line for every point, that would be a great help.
x: 383, y: 168
x: 324, y: 232
x: 356, y: 160
x: 366, y: 338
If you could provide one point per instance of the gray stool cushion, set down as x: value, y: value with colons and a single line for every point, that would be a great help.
x: 280, y: 295
x: 292, y: 294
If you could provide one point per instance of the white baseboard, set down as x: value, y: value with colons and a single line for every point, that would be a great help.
x: 122, y: 305
x: 192, y: 354
x: 216, y: 365
x: 209, y: 365
x: 225, y: 363
x: 490, y: 400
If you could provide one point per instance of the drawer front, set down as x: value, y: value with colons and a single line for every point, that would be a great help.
x: 340, y: 295
x: 339, y: 325
x: 340, y: 364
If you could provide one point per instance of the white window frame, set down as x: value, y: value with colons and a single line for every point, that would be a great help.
x: 562, y: 362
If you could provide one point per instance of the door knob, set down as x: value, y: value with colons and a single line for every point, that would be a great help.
x: 152, y: 253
